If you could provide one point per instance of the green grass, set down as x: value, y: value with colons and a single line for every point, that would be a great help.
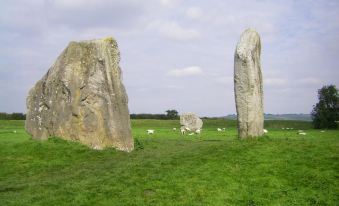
x: 215, y: 168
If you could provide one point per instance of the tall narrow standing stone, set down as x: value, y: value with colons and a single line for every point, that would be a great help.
x: 82, y: 98
x: 248, y: 85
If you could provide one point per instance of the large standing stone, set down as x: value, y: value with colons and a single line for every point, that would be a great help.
x: 248, y: 85
x: 191, y: 121
x: 82, y: 98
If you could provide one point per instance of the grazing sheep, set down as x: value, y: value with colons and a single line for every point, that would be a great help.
x: 265, y: 131
x: 183, y: 130
x: 224, y: 129
x: 301, y: 132
x: 283, y: 128
x: 150, y: 131
x: 96, y: 147
x: 322, y: 131
x: 219, y: 130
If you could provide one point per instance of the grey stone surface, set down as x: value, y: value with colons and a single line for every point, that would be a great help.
x: 248, y: 85
x: 82, y: 98
x: 191, y: 121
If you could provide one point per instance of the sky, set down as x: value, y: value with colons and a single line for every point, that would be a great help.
x: 177, y: 54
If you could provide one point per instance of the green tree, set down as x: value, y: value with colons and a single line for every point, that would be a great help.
x: 172, y: 114
x: 13, y: 116
x: 17, y: 116
x: 326, y: 112
x: 3, y: 115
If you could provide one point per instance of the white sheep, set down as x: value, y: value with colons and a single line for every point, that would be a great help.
x: 219, y: 130
x: 174, y: 129
x: 301, y: 132
x: 322, y: 131
x: 265, y: 131
x: 96, y: 147
x: 183, y: 130
x: 150, y: 131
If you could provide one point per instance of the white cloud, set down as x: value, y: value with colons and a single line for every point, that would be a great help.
x: 77, y: 4
x: 194, y: 13
x: 169, y: 3
x: 298, y: 49
x: 175, y: 87
x: 224, y: 80
x: 309, y: 81
x: 173, y: 30
x: 275, y: 82
x: 187, y: 71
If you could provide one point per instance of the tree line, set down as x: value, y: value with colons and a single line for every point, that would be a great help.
x: 12, y: 116
x: 170, y: 114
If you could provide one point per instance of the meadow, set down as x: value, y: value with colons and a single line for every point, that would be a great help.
x: 167, y: 168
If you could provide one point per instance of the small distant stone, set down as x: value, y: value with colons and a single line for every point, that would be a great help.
x: 191, y: 122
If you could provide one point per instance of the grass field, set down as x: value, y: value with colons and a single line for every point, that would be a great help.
x: 215, y: 168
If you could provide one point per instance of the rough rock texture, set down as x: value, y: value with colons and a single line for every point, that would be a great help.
x: 82, y: 98
x: 191, y: 121
x: 248, y: 85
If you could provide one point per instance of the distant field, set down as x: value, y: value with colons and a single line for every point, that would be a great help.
x: 214, y: 168
x: 298, y: 117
